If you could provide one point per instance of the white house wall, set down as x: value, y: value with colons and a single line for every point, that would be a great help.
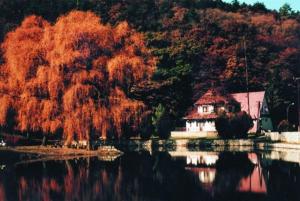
x: 208, y: 126
x: 194, y: 126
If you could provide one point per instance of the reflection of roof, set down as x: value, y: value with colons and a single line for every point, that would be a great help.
x: 214, y: 96
x: 195, y: 115
x: 255, y: 99
x: 255, y: 182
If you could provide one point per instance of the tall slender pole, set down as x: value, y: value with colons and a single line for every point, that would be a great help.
x: 298, y: 102
x: 288, y: 110
x: 247, y: 77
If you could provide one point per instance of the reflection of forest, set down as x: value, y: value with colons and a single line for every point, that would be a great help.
x: 141, y: 176
x: 135, y: 176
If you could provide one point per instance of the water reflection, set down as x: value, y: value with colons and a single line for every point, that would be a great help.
x: 157, y: 176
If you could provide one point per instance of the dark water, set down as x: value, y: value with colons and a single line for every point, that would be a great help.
x: 139, y: 176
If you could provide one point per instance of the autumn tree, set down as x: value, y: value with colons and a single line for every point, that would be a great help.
x: 73, y: 77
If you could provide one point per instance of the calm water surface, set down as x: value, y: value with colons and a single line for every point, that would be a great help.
x: 160, y: 176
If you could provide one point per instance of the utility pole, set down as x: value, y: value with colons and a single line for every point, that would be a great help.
x: 297, y: 79
x: 247, y: 77
x: 288, y: 110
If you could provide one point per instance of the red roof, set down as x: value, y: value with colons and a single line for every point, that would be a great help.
x: 193, y: 115
x: 214, y: 96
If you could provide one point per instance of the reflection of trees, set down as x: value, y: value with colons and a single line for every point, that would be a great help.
x: 231, y: 168
x: 140, y: 176
x: 135, y: 176
x: 2, y: 193
x: 283, y: 180
x: 174, y: 182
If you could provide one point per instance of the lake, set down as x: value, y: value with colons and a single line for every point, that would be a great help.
x: 157, y: 176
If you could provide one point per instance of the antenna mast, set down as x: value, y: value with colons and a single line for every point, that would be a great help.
x: 247, y: 77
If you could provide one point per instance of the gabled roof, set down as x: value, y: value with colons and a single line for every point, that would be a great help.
x: 194, y: 115
x: 214, y: 96
x: 255, y: 101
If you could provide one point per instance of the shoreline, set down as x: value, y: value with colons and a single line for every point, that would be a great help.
x: 108, y: 149
x: 43, y: 153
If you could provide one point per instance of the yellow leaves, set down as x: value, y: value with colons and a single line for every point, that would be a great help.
x: 263, y: 20
x: 121, y: 31
x: 5, y: 106
x: 23, y: 52
x: 127, y: 70
x: 71, y: 75
x: 29, y: 115
x: 78, y: 95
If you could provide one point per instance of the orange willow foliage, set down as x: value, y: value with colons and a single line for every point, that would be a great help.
x: 73, y: 76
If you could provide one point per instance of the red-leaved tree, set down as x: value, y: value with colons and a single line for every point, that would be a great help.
x: 72, y: 77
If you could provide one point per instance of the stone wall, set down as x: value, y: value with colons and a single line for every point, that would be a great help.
x: 289, y: 137
x: 186, y: 134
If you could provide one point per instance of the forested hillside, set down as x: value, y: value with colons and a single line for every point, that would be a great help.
x: 198, y: 43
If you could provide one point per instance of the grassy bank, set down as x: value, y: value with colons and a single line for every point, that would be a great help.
x: 62, y: 152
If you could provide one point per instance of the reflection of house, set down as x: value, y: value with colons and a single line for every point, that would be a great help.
x: 204, y: 159
x: 202, y: 116
x: 252, y: 183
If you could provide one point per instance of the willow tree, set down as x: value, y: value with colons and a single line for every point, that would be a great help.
x: 73, y: 76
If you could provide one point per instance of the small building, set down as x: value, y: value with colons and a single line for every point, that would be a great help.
x: 202, y: 116
x: 200, y: 120
x: 259, y: 110
x: 206, y: 109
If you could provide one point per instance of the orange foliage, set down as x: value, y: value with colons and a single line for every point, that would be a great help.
x: 74, y: 75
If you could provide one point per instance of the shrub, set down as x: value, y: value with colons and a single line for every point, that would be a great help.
x: 162, y: 122
x: 146, y: 127
x: 231, y: 125
x: 284, y: 126
x: 164, y: 127
x: 223, y: 126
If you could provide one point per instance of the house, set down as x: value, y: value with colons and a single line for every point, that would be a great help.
x: 201, y: 118
x: 259, y: 110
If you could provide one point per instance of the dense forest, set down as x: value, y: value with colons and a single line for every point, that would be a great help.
x: 198, y: 44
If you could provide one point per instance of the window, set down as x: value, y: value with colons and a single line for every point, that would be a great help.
x: 205, y: 109
x: 230, y: 108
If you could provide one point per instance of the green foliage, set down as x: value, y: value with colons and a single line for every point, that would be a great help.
x: 284, y: 126
x: 162, y: 122
x: 159, y: 112
x: 146, y: 128
x: 286, y: 10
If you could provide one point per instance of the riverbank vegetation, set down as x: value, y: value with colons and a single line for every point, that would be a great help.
x: 56, y: 76
x: 233, y: 125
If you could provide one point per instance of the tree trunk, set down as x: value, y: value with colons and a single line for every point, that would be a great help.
x: 28, y: 136
x: 89, y: 145
x: 44, y: 141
